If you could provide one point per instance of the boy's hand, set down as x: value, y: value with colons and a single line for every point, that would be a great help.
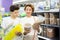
x: 18, y: 33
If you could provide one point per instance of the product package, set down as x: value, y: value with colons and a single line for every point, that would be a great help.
x: 12, y: 33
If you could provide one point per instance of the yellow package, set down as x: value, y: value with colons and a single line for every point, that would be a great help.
x: 11, y: 34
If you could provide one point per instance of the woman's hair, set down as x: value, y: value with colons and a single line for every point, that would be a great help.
x: 30, y: 5
x: 13, y: 8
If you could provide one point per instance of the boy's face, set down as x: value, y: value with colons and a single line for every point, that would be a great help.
x: 15, y: 13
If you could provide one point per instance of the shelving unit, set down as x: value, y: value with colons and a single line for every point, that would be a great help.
x: 44, y: 38
x: 56, y: 27
x: 49, y: 25
x: 45, y: 11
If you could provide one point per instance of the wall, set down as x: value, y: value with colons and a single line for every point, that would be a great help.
x: 6, y: 4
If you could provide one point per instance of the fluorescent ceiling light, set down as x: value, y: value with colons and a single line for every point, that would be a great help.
x: 19, y: 1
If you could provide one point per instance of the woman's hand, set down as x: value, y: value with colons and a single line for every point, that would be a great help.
x: 26, y: 31
x: 36, y: 26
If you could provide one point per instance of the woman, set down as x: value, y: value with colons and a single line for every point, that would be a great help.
x: 29, y: 19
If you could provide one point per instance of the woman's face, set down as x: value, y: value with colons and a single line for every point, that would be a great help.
x: 28, y: 11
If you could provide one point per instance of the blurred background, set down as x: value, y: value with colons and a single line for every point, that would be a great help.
x: 44, y: 9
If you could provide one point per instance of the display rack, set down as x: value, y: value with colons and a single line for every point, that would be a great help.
x: 44, y: 38
x: 56, y: 27
x: 51, y: 10
x: 49, y: 25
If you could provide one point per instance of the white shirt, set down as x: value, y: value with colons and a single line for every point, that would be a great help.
x: 9, y: 21
x: 31, y: 21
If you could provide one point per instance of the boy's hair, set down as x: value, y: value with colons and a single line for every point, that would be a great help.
x: 13, y: 7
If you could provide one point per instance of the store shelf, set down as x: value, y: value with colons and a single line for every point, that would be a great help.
x: 50, y: 25
x: 54, y: 27
x: 52, y: 10
x: 44, y: 38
